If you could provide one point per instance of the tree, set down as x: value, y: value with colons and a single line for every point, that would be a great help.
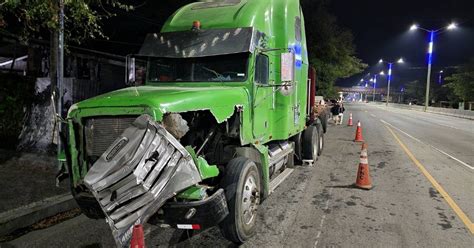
x: 415, y: 91
x: 331, y: 48
x: 33, y: 19
x: 462, y: 82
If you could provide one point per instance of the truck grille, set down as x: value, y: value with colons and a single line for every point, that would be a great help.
x: 143, y: 168
x: 101, y: 132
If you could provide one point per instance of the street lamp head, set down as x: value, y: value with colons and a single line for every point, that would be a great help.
x: 382, y: 73
x: 441, y: 71
x: 413, y: 27
x: 400, y: 61
x: 371, y: 80
x: 362, y: 80
x: 380, y: 61
x: 452, y: 26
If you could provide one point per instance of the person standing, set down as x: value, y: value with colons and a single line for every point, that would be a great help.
x: 335, y: 113
x: 341, y: 112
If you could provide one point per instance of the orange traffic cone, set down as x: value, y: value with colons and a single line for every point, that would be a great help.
x: 358, y: 137
x: 138, y: 239
x: 350, y: 120
x: 363, y: 180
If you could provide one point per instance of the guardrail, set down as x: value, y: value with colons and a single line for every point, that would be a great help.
x: 466, y: 114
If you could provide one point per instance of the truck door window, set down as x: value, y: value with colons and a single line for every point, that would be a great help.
x: 261, y: 69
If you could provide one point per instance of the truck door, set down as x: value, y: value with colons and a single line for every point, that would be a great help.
x: 262, y: 98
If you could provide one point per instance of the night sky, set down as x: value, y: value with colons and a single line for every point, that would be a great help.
x: 380, y: 30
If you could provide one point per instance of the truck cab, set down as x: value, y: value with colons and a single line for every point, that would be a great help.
x: 226, y: 86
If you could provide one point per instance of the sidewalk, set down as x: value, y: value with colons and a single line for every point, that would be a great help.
x: 28, y: 190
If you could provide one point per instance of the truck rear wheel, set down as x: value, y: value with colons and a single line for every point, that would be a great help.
x: 321, y: 139
x: 241, y: 184
x: 311, y: 143
x: 324, y: 120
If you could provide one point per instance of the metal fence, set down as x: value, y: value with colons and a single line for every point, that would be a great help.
x: 467, y: 114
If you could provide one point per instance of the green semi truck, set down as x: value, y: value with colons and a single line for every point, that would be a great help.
x: 220, y: 105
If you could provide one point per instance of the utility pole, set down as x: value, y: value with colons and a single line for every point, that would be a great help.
x: 60, y: 71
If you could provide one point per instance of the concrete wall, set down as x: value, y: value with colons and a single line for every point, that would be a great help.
x: 467, y: 114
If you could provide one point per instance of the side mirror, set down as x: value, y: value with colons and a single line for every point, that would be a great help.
x: 262, y: 69
x: 130, y: 70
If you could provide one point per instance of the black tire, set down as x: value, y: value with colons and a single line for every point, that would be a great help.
x: 321, y: 139
x: 239, y: 180
x: 324, y: 121
x: 310, y: 143
x: 298, y: 154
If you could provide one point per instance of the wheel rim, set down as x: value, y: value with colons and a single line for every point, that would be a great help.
x: 250, y: 200
x: 321, y: 143
x: 315, y: 147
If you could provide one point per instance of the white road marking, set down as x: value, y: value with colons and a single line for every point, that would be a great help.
x: 321, y: 224
x: 373, y: 115
x: 437, y: 149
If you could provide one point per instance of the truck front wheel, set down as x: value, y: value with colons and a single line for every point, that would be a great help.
x: 241, y: 184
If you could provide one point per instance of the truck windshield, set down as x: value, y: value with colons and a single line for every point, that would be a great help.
x: 222, y: 68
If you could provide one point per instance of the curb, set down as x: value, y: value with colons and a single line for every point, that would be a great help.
x: 27, y: 215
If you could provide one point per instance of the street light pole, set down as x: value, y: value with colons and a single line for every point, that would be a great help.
x: 389, y: 77
x: 428, y: 76
x: 389, y: 80
x: 375, y: 82
x: 440, y: 77
x: 430, y: 55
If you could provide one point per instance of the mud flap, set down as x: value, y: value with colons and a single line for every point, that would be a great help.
x: 137, y: 174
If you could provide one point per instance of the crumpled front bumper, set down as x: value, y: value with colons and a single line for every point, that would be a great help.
x: 137, y: 174
x: 206, y: 213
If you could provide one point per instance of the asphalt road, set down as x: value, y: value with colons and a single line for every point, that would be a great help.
x: 413, y: 156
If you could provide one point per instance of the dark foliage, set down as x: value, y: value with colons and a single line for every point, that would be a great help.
x: 16, y: 94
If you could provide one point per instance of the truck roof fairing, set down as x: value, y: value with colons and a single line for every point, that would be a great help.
x: 201, y: 43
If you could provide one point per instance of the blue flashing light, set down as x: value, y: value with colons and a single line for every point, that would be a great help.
x: 298, y: 50
x: 430, y: 47
x: 390, y: 71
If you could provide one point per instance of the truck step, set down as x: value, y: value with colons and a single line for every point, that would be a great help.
x: 279, y: 179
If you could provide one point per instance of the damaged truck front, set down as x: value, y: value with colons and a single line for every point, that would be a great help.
x: 218, y: 111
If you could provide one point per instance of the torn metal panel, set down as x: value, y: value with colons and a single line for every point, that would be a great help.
x: 137, y: 174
